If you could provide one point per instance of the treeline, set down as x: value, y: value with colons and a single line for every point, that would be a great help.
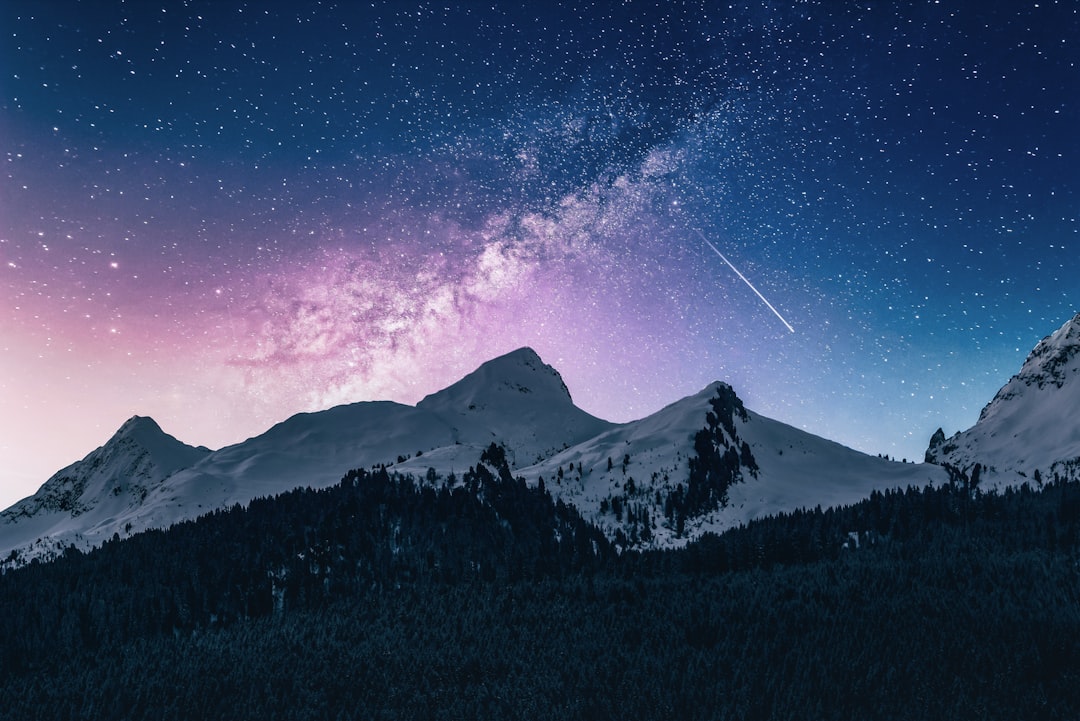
x: 905, y: 522
x: 481, y: 598
x: 299, y: 550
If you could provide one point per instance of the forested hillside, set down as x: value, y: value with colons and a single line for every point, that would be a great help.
x: 482, y: 598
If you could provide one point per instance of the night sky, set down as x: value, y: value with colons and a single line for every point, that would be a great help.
x: 219, y: 214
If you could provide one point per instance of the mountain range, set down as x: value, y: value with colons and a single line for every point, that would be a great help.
x: 704, y: 463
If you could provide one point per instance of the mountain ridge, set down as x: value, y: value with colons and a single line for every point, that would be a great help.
x: 514, y: 399
x: 703, y: 463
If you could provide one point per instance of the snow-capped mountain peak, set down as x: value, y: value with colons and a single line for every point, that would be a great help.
x: 137, y: 457
x: 518, y: 400
x: 139, y: 424
x: 1053, y: 361
x: 1028, y: 430
x: 144, y: 431
x: 504, y: 379
x: 110, y: 479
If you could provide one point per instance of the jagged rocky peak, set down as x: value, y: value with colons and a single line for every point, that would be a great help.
x: 1030, y: 424
x: 1051, y: 364
x: 1050, y: 360
x: 936, y: 442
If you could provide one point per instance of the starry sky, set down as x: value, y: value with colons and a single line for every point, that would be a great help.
x: 222, y: 213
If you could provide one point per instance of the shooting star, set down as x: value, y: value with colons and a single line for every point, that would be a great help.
x: 744, y: 280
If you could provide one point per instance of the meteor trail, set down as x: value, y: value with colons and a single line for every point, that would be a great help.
x: 744, y: 280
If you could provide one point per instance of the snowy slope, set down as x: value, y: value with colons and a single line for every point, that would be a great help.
x: 309, y: 449
x: 86, y: 498
x: 795, y: 470
x: 1032, y: 424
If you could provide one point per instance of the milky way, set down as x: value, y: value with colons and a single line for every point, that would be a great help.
x: 219, y: 214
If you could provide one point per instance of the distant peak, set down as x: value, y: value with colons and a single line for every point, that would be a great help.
x: 139, y: 424
x: 144, y: 431
x: 517, y: 373
x: 524, y: 355
x: 524, y: 366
